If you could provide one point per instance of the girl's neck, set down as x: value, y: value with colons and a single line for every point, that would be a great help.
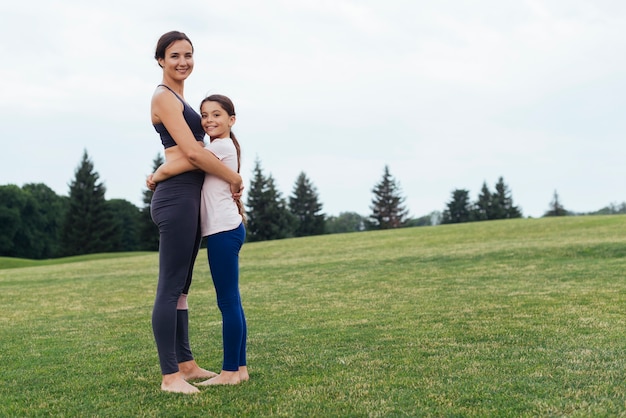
x: 213, y: 138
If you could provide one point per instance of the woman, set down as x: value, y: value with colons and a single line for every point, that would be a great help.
x: 175, y: 209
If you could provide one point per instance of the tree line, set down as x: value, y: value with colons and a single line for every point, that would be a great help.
x: 37, y: 223
x: 489, y: 205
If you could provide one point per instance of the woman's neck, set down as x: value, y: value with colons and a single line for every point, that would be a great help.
x: 177, y: 86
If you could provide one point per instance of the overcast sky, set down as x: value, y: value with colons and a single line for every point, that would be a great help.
x: 448, y: 94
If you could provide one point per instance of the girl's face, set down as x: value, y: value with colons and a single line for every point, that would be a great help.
x: 215, y: 120
x: 178, y: 61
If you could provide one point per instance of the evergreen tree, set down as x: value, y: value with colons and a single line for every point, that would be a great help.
x: 483, y: 208
x: 387, y: 206
x: 305, y: 206
x: 88, y: 226
x: 148, y: 231
x: 267, y: 212
x: 458, y: 209
x: 502, y: 203
x: 556, y: 208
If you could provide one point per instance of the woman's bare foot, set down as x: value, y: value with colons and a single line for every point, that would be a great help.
x: 190, y: 370
x: 243, y: 374
x: 175, y: 383
x: 224, y: 378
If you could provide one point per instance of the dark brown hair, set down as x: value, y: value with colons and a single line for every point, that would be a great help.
x: 228, y: 106
x: 168, y: 39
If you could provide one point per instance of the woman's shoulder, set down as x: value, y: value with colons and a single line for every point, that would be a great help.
x: 164, y: 100
x: 163, y: 95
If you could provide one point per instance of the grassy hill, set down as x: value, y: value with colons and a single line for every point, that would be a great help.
x: 505, y: 318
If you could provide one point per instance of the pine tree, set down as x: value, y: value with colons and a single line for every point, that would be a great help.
x: 88, y: 226
x: 502, y: 203
x: 305, y: 206
x: 556, y: 208
x: 459, y: 208
x: 148, y: 231
x: 387, y: 206
x: 267, y: 212
x: 483, y: 208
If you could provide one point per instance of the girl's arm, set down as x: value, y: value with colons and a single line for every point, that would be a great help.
x: 166, y: 107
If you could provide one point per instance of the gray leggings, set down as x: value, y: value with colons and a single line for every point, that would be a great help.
x: 175, y: 209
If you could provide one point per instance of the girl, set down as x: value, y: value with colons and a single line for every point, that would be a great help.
x: 175, y: 210
x: 222, y: 222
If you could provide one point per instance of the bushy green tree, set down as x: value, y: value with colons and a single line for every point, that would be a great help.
x: 387, y: 207
x: 128, y: 219
x: 89, y: 226
x: 267, y: 212
x: 304, y: 204
x: 459, y: 208
x: 12, y: 201
x: 345, y: 222
x: 46, y: 220
x: 433, y: 218
x: 148, y: 231
x: 612, y: 209
x: 30, y: 221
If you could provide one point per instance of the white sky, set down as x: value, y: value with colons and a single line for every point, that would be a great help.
x: 448, y: 94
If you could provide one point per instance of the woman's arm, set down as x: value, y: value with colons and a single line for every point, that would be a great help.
x: 166, y: 107
x: 172, y: 168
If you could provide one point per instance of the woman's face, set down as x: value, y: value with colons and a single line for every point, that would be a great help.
x: 215, y: 120
x: 178, y: 61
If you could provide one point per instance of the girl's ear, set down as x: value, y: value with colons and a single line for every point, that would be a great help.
x: 232, y: 121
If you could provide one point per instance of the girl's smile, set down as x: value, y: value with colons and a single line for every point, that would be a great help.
x: 215, y: 120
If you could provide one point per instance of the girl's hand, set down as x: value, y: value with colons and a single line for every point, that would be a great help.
x: 150, y: 184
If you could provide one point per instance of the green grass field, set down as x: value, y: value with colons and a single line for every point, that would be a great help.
x: 515, y: 318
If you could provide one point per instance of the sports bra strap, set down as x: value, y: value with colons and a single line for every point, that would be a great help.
x: 175, y: 94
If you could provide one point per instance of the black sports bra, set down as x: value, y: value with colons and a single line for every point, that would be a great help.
x: 192, y: 118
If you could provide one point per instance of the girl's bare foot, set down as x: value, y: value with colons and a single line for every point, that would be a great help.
x: 190, y: 370
x: 224, y: 378
x: 243, y: 374
x: 175, y: 383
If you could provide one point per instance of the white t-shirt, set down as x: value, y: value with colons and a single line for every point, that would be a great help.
x: 218, y: 210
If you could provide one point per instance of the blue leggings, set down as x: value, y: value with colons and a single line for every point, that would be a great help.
x: 175, y: 209
x: 223, y: 254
